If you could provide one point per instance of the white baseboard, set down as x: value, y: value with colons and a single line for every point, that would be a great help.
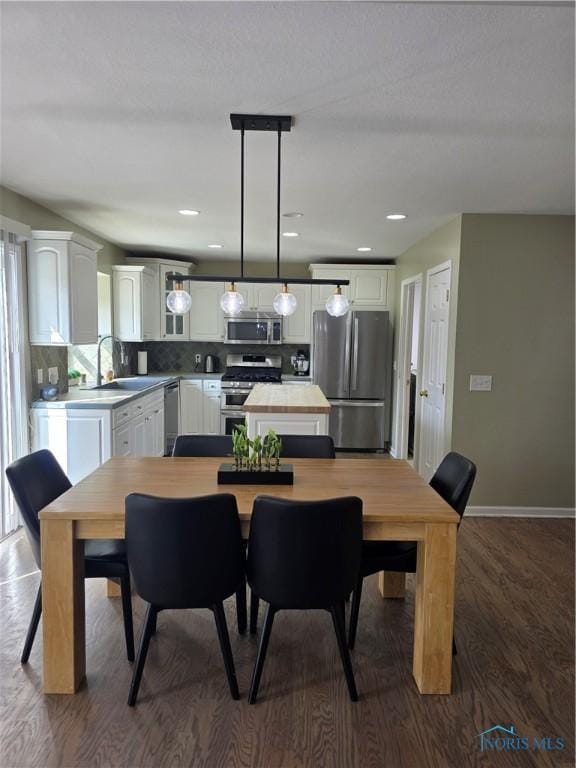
x: 519, y: 512
x: 392, y: 452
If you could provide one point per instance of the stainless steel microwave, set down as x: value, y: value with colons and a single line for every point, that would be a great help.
x: 253, y: 328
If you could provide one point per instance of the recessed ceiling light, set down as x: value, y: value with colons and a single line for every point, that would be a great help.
x: 364, y: 249
x: 188, y: 212
x: 396, y: 216
x: 291, y: 234
x: 215, y: 245
x: 293, y: 215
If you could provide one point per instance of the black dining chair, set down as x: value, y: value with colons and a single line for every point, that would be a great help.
x: 203, y: 445
x: 304, y: 555
x: 36, y: 480
x: 307, y: 447
x: 184, y: 553
x: 296, y: 447
x: 213, y: 446
x: 453, y: 480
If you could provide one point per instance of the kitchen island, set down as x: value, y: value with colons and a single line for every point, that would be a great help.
x: 293, y: 409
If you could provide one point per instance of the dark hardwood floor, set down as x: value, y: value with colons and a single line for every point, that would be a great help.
x: 515, y: 665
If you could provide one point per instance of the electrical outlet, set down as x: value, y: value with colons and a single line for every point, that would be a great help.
x: 198, y: 358
x: 40, y: 376
x: 53, y: 375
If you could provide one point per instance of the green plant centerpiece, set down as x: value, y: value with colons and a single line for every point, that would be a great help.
x: 256, y: 460
x: 257, y: 455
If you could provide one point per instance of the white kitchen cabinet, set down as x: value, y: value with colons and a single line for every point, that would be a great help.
x: 261, y: 296
x: 142, y: 434
x: 200, y: 407
x: 172, y: 327
x: 321, y: 293
x: 211, y: 414
x: 206, y: 316
x: 81, y: 439
x: 84, y: 438
x: 296, y: 329
x: 371, y: 285
x: 62, y: 288
x: 156, y: 427
x: 136, y: 312
x: 191, y: 406
x: 139, y: 441
x: 122, y: 440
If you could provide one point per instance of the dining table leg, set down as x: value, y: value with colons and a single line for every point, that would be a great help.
x: 63, y: 607
x: 392, y: 584
x: 434, y: 611
x: 113, y: 588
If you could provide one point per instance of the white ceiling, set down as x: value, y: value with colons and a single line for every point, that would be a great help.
x: 115, y: 115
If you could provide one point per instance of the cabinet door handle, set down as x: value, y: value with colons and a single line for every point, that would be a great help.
x: 125, y: 442
x: 157, y: 410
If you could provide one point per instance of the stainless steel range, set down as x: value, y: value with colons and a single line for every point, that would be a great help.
x: 242, y: 372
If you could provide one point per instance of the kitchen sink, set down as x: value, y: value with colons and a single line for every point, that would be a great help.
x: 130, y: 385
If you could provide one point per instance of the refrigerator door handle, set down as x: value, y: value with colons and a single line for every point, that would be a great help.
x: 355, y: 356
x: 358, y: 403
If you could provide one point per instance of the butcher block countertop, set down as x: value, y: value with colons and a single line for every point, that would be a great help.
x: 290, y: 398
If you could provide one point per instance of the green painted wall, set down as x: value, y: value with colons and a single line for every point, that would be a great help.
x: 516, y: 323
x: 19, y: 208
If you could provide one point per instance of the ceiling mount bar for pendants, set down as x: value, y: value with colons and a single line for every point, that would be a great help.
x: 275, y: 279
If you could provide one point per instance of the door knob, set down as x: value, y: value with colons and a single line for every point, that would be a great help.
x: 424, y: 393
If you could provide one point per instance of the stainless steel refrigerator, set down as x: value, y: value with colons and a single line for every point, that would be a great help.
x: 352, y: 364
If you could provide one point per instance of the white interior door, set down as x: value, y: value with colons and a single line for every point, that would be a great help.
x: 406, y: 361
x: 432, y: 394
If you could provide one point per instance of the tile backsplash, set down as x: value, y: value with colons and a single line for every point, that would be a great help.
x: 180, y: 355
x: 163, y: 356
x: 44, y: 358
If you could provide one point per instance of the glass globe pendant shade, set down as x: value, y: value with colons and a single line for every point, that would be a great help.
x: 179, y: 301
x: 285, y: 302
x: 337, y: 305
x: 232, y: 302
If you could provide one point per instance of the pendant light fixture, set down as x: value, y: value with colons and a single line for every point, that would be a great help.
x: 285, y: 302
x: 232, y: 301
x: 178, y: 300
x: 337, y: 304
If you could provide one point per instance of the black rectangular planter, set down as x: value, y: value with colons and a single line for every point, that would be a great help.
x: 229, y: 475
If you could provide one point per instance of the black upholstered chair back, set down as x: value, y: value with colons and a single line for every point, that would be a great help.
x: 454, y: 479
x: 307, y: 447
x: 304, y: 554
x: 36, y: 480
x: 184, y: 553
x: 203, y: 445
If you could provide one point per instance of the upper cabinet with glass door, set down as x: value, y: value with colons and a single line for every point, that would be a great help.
x: 172, y: 327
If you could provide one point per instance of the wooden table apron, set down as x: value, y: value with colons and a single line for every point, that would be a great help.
x: 398, y: 505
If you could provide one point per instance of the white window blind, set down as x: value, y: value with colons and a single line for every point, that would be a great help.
x: 13, y: 350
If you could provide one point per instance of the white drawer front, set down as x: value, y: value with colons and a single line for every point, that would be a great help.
x: 122, y: 414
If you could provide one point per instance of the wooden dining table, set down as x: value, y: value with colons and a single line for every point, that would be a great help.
x: 398, y: 505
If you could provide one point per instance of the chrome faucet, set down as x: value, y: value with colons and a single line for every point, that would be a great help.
x: 99, y: 356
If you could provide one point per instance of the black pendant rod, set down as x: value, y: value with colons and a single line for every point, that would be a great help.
x: 242, y: 201
x: 274, y: 279
x: 278, y: 204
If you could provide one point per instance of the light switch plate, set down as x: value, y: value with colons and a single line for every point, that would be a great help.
x: 40, y: 375
x: 480, y: 383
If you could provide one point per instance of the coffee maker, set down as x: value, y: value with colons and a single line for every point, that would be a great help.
x: 300, y: 363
